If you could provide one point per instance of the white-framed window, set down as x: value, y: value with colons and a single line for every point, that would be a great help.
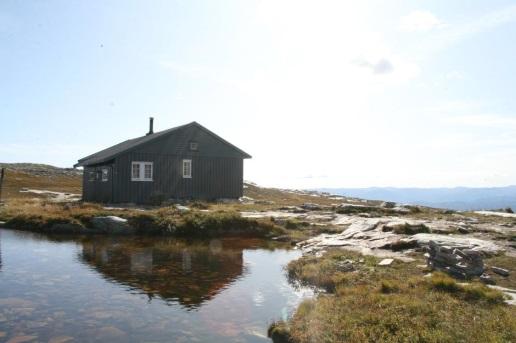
x: 194, y: 146
x: 147, y: 171
x: 105, y: 174
x: 141, y: 171
x: 187, y: 169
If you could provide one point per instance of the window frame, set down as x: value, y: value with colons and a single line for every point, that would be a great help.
x: 141, y: 171
x: 91, y: 176
x: 104, y: 174
x: 194, y: 146
x: 184, y: 163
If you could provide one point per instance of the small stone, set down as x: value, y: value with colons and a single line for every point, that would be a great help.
x: 388, y: 204
x: 463, y: 229
x: 386, y: 262
x: 500, y: 271
x: 487, y: 279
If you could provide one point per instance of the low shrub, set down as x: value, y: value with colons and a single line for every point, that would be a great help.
x: 443, y: 282
x: 278, y: 332
x: 389, y: 286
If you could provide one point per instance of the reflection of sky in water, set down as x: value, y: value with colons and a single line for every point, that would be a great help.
x: 51, y: 289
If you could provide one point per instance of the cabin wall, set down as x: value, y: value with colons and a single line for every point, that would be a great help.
x: 212, y: 178
x: 97, y: 190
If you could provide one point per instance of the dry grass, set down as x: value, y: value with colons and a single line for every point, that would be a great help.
x: 43, y: 216
x: 394, y: 304
x: 16, y: 180
x: 506, y: 262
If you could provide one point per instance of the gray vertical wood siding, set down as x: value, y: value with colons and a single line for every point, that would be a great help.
x: 217, y: 171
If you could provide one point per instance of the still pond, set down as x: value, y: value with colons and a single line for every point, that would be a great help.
x: 140, y: 289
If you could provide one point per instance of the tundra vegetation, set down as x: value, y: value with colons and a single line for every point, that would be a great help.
x: 357, y: 299
x: 360, y: 301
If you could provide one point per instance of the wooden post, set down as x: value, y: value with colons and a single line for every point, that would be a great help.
x: 2, y: 174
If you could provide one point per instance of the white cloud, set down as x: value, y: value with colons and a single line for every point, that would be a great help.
x: 382, y: 66
x: 484, y: 120
x: 420, y: 21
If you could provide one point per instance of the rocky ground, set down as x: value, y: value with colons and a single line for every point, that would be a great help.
x: 376, y: 259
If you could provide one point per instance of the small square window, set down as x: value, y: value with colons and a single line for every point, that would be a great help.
x: 194, y: 146
x: 105, y: 174
x: 187, y: 169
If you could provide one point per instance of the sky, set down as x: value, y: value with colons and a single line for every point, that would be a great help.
x: 320, y: 93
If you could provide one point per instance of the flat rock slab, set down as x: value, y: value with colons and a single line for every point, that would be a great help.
x: 487, y: 248
x: 369, y: 234
x: 499, y: 214
x: 511, y: 293
x: 500, y: 271
x: 386, y: 262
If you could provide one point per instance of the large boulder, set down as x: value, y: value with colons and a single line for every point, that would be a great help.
x: 112, y: 225
x: 486, y: 248
x: 463, y: 263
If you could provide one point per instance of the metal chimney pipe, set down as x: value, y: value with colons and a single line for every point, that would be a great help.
x: 151, y: 126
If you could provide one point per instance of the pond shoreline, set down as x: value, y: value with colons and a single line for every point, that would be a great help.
x: 85, y: 218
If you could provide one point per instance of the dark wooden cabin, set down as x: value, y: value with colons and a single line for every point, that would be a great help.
x: 185, y: 162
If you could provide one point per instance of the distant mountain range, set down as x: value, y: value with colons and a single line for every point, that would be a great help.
x: 459, y: 198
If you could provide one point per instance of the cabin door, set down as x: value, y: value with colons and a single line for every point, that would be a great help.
x: 105, y: 184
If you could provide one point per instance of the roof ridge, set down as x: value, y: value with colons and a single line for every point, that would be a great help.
x: 114, y: 150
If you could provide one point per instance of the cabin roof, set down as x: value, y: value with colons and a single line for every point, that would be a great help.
x: 117, y: 149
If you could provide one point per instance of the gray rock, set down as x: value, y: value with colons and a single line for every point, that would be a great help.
x: 486, y: 248
x: 463, y: 229
x: 487, y: 279
x: 460, y: 263
x: 388, y: 204
x: 386, y: 262
x: 112, y: 225
x: 311, y: 206
x: 182, y: 208
x: 500, y: 271
x: 346, y: 266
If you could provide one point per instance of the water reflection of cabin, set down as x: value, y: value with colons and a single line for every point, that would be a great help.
x: 184, y: 273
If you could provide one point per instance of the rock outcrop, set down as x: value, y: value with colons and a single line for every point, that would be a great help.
x: 393, y: 234
x: 462, y: 263
x: 111, y: 224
